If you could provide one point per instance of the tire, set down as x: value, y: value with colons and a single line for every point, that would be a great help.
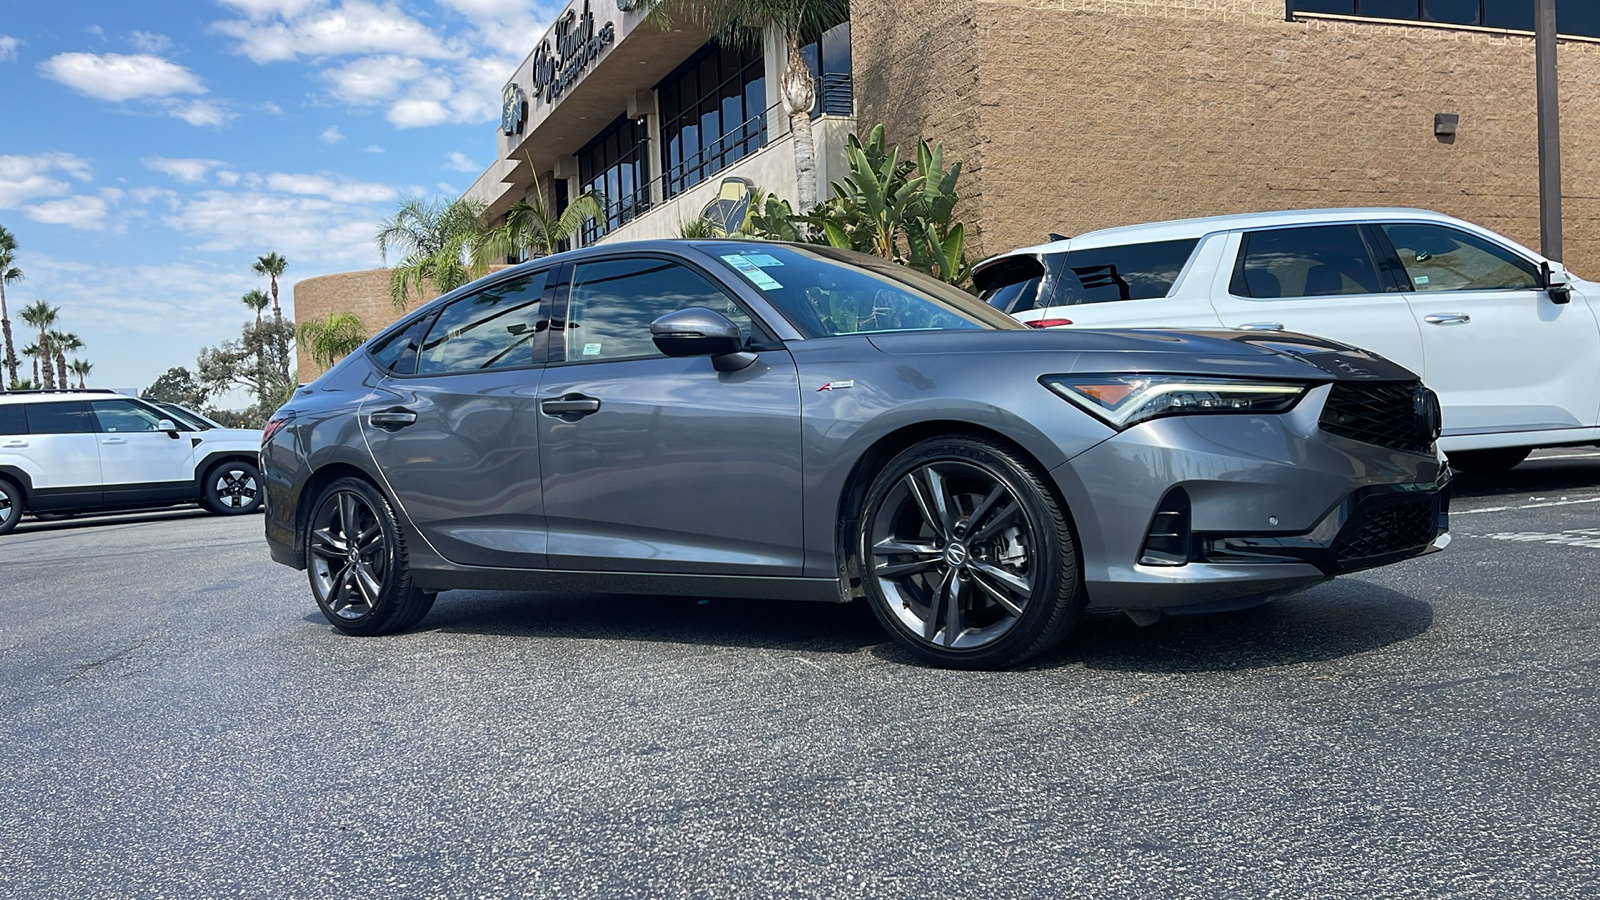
x: 966, y: 519
x: 233, y: 488
x: 1488, y: 462
x: 362, y: 587
x: 11, y: 506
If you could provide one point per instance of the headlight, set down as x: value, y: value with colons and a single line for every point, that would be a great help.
x: 1122, y: 401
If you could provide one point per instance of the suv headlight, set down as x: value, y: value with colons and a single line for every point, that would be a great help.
x: 1123, y: 401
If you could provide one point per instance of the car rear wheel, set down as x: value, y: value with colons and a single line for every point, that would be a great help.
x: 967, y: 557
x: 357, y: 562
x: 1488, y: 462
x: 10, y: 506
x: 233, y: 488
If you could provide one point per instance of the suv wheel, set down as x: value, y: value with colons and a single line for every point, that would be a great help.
x: 10, y: 506
x: 233, y: 488
x: 357, y: 561
x: 966, y: 556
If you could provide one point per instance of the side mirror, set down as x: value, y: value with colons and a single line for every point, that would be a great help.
x: 170, y: 427
x: 698, y: 331
x: 1558, y: 281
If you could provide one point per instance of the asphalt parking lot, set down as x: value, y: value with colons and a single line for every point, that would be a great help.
x: 177, y: 720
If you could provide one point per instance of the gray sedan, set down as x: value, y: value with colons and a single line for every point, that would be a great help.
x: 731, y: 418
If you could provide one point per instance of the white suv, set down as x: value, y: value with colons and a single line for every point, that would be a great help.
x: 1508, y: 339
x: 78, y: 451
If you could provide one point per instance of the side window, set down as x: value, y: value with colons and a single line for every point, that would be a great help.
x: 1012, y: 285
x: 72, y: 417
x: 491, y: 329
x: 123, y: 416
x: 1129, y: 272
x: 398, y: 350
x: 1318, y: 261
x: 1440, y: 258
x: 12, y: 421
x: 614, y: 301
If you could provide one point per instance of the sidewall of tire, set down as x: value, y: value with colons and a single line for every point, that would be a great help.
x: 401, y: 604
x: 212, y: 501
x: 14, y: 494
x: 1051, y: 613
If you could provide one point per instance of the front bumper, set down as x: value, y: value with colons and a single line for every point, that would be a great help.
x: 1274, y: 505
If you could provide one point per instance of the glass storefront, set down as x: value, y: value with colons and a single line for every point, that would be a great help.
x: 1571, y: 18
x: 713, y: 113
x: 828, y: 57
x: 617, y: 165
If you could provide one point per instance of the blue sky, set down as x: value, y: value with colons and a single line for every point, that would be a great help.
x: 150, y: 151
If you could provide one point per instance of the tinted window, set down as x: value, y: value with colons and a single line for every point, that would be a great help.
x: 59, y: 418
x: 1305, y: 262
x: 1438, y: 258
x: 12, y: 421
x: 491, y: 329
x: 1129, y: 272
x: 123, y: 416
x: 613, y: 303
x: 1012, y: 285
x: 398, y: 350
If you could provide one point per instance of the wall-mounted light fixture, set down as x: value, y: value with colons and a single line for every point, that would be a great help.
x: 1444, y: 126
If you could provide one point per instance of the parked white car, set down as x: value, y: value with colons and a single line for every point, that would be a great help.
x: 64, y: 452
x: 1508, y: 339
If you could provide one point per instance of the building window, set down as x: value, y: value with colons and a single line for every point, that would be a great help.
x: 828, y: 57
x: 617, y: 165
x: 713, y: 113
x: 1571, y: 18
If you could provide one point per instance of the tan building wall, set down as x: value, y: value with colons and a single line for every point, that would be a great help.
x: 365, y: 293
x: 1074, y: 115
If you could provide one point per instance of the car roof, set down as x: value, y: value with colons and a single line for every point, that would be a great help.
x: 45, y: 396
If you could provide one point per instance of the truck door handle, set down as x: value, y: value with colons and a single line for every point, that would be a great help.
x: 1259, y: 326
x: 1447, y: 319
x: 392, y: 419
x: 14, y: 444
x: 114, y: 441
x: 570, y: 407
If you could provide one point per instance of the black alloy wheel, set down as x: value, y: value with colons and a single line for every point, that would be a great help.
x: 357, y: 562
x: 233, y: 488
x: 967, y: 557
x: 10, y: 506
x: 1488, y: 462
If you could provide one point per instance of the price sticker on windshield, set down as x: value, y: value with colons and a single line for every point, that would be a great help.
x: 751, y: 269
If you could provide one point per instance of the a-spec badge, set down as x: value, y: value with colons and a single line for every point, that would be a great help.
x: 838, y: 385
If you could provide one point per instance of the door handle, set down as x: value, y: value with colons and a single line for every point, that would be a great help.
x: 1447, y: 319
x: 570, y: 407
x: 392, y: 419
x: 11, y: 445
x: 114, y: 441
x: 1259, y: 326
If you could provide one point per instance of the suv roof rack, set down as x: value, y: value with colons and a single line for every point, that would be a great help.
x: 3, y: 391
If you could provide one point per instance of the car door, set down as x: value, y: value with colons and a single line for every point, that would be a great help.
x: 453, y: 425
x: 1322, y: 280
x: 661, y: 464
x: 64, y: 451
x: 139, y: 463
x: 1502, y: 355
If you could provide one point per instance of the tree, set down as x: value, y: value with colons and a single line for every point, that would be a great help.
x: 178, y: 385
x: 237, y: 364
x: 81, y: 368
x: 744, y: 21
x: 62, y: 343
x: 32, y: 352
x: 272, y: 266
x: 42, y: 315
x: 330, y: 339
x: 8, y: 273
x: 257, y: 300
x: 536, y: 228
x: 434, y: 240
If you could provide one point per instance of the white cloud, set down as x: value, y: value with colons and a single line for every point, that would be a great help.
x: 200, y: 113
x: 417, y: 112
x: 8, y: 48
x: 313, y: 226
x: 337, y: 189
x: 509, y: 27
x: 113, y: 76
x: 458, y: 162
x: 150, y: 42
x: 374, y: 79
x: 23, y: 178
x: 373, y: 149
x: 353, y: 27
x: 262, y: 9
x: 190, y: 170
x: 84, y: 211
x: 332, y: 135
x: 227, y: 178
x: 151, y: 194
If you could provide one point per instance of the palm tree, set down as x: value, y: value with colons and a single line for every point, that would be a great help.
x: 81, y: 368
x: 329, y: 339
x: 434, y: 240
x: 256, y: 300
x: 61, y: 344
x: 32, y: 352
x: 536, y: 228
x: 8, y: 273
x: 745, y: 20
x: 42, y: 315
x: 271, y: 265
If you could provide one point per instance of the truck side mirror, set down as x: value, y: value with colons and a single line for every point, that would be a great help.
x: 1558, y: 281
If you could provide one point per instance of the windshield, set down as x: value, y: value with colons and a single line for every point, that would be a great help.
x: 825, y: 292
x: 186, y: 418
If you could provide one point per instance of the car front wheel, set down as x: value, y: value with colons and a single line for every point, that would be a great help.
x: 966, y: 555
x: 357, y: 561
x: 233, y: 488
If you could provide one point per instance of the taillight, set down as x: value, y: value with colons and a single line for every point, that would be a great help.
x: 275, y: 425
x: 1047, y: 323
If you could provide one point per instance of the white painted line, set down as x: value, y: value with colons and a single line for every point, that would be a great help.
x: 1566, y: 456
x: 1470, y: 512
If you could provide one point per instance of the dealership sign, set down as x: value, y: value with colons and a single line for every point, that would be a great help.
x: 577, y: 45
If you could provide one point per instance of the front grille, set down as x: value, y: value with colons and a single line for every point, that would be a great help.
x: 1400, y: 415
x: 1381, y: 526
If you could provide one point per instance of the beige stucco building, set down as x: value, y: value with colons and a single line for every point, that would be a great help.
x: 1069, y: 115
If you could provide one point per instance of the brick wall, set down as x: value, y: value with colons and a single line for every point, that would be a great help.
x: 365, y: 293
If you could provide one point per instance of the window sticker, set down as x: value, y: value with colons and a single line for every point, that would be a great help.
x: 591, y: 349
x: 749, y: 269
x: 1421, y: 279
x: 764, y: 260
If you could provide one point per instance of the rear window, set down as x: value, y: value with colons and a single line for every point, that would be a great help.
x: 1013, y: 284
x: 12, y: 421
x: 1128, y: 272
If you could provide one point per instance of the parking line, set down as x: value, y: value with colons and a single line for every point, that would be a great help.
x: 1470, y: 512
x: 1566, y: 456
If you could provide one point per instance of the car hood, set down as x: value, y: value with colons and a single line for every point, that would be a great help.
x: 1192, y: 352
x: 231, y: 435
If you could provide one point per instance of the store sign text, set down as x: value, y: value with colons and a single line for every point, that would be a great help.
x: 577, y: 45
